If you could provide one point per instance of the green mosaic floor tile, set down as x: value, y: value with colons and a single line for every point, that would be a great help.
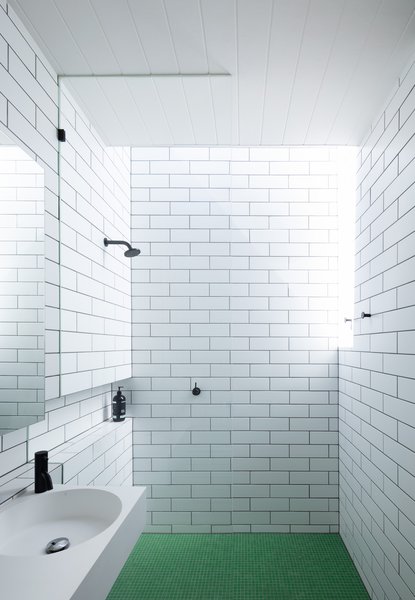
x: 239, y: 567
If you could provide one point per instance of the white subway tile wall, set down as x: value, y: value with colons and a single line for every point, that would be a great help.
x: 236, y: 289
x: 95, y: 280
x: 22, y: 282
x: 377, y: 377
x: 97, y: 188
x: 66, y: 417
x: 29, y: 115
x: 100, y: 456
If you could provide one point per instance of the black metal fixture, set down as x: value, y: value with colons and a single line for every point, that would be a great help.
x: 61, y: 135
x: 129, y: 253
x: 196, y: 391
x: 43, y: 480
x: 348, y: 323
x: 365, y: 315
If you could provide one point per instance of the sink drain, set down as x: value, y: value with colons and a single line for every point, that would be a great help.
x: 57, y: 545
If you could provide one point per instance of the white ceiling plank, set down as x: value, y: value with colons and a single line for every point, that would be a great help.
x: 375, y: 72
x: 223, y: 105
x: 302, y: 71
x: 199, y: 98
x: 286, y: 35
x: 147, y: 98
x: 319, y: 35
x: 219, y: 23
x: 354, y: 28
x: 88, y: 92
x: 120, y: 31
x: 53, y: 36
x: 150, y: 20
x: 186, y: 29
x: 219, y: 20
x: 174, y: 101
x: 88, y: 35
x: 253, y: 29
x: 127, y: 107
x: 219, y: 26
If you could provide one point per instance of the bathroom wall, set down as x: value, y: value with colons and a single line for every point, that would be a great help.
x: 65, y: 418
x: 377, y: 376
x: 236, y: 289
x: 95, y: 282
x: 29, y: 112
x: 21, y: 289
x: 100, y: 456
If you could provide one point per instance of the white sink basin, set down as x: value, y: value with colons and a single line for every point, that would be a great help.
x: 77, y: 514
x: 102, y: 525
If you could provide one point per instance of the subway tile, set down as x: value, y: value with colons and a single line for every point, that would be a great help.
x: 251, y: 341
x: 374, y: 445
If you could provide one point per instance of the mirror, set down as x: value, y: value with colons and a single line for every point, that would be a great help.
x: 21, y: 288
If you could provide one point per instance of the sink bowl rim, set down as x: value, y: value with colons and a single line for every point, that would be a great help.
x: 28, y: 497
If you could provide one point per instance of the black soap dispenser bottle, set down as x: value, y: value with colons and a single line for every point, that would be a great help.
x: 118, y: 406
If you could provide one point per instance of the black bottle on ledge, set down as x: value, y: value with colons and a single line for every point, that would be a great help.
x: 118, y: 407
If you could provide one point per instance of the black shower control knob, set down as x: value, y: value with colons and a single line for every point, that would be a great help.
x: 196, y: 390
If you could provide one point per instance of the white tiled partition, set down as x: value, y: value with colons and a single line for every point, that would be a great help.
x: 236, y: 289
x: 377, y: 376
x: 95, y: 281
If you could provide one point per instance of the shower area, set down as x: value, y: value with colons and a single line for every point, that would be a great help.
x: 237, y: 291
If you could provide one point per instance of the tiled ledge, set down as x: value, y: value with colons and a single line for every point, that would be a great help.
x: 100, y: 456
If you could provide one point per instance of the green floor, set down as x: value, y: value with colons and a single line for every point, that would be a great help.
x: 239, y: 567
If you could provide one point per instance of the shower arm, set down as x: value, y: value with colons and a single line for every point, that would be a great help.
x: 107, y: 242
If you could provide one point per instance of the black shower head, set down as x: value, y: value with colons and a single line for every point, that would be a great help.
x: 128, y: 253
x: 132, y: 252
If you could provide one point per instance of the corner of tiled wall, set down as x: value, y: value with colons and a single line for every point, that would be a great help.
x: 377, y: 410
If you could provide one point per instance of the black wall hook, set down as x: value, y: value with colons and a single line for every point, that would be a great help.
x: 196, y: 391
x: 365, y: 315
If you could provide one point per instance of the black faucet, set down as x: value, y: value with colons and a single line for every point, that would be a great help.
x: 43, y: 480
